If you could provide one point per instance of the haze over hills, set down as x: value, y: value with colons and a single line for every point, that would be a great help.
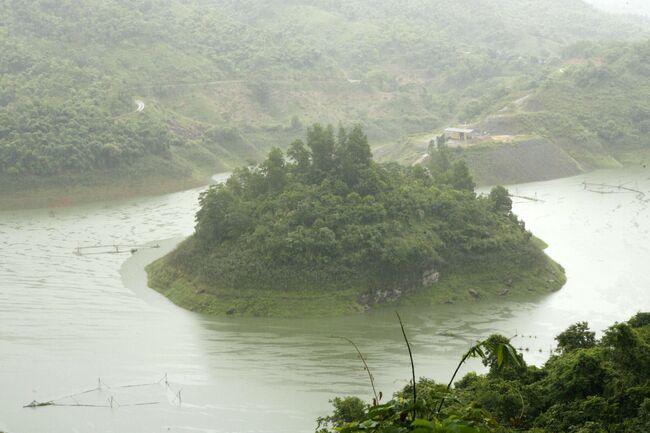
x: 223, y: 81
x: 590, y: 110
x: 631, y: 7
x: 312, y: 167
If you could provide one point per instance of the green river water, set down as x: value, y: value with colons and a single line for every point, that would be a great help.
x: 68, y: 320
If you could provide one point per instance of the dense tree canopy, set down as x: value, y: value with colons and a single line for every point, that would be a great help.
x: 328, y: 217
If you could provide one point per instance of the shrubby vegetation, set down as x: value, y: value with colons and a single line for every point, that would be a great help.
x: 603, y: 99
x: 588, y: 386
x: 330, y: 219
x: 62, y: 111
x: 45, y: 139
x: 593, y: 104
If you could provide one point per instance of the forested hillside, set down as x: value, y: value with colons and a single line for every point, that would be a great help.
x: 594, y: 105
x: 223, y: 81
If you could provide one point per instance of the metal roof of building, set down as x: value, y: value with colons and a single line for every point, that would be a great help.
x: 465, y: 130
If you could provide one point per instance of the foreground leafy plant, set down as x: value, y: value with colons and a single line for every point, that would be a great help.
x: 377, y: 396
x: 496, y: 352
x: 393, y: 416
x: 603, y: 387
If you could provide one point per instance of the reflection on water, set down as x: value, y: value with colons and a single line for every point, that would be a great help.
x: 66, y: 321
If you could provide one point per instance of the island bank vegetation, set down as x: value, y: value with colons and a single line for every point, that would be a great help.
x: 326, y: 230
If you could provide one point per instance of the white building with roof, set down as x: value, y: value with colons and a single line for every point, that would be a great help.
x: 459, y: 134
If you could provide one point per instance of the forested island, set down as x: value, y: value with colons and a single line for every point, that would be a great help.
x: 588, y: 385
x: 328, y: 231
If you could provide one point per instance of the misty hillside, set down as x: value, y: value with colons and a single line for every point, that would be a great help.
x: 222, y: 81
x: 594, y: 105
x: 630, y: 7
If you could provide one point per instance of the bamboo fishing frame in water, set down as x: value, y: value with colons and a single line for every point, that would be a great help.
x: 112, y: 249
x: 112, y: 402
x: 621, y: 189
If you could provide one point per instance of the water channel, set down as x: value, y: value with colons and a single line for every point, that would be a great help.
x: 72, y: 323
